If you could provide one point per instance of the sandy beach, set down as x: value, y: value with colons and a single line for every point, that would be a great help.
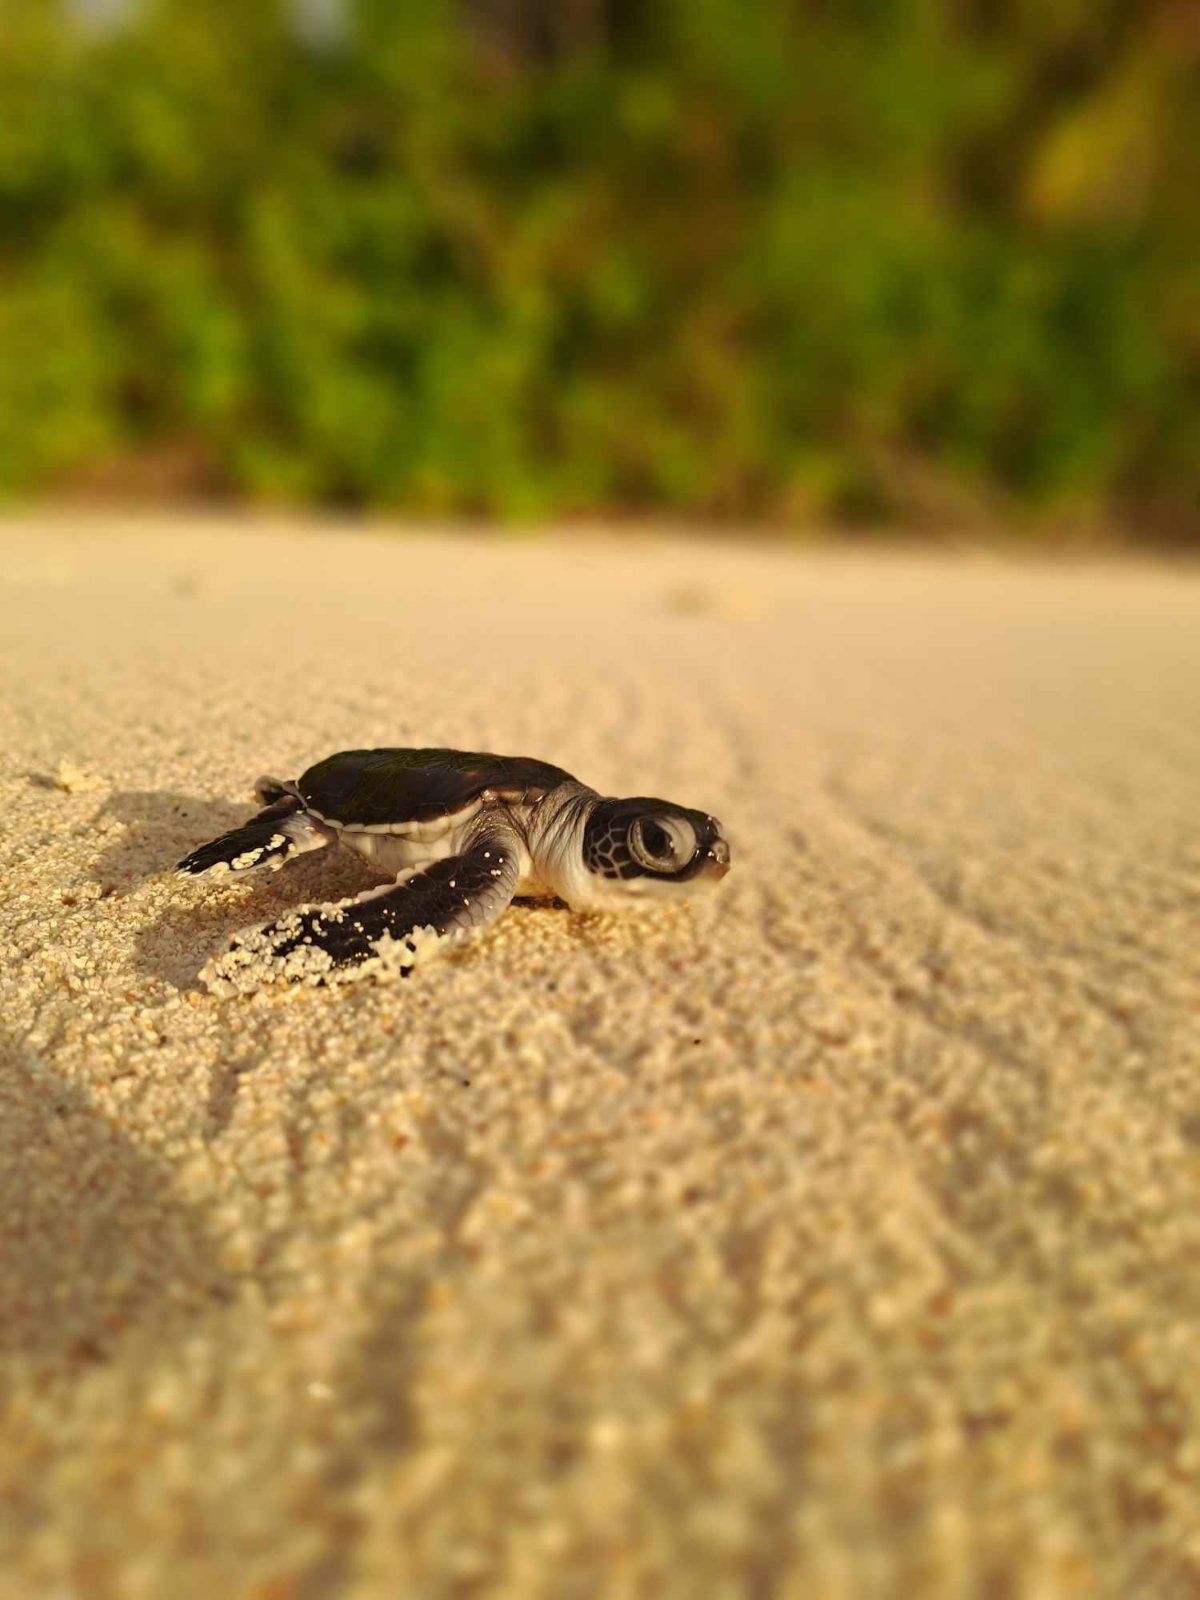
x: 835, y: 1236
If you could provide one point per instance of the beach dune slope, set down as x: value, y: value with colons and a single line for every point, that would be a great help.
x: 831, y: 1236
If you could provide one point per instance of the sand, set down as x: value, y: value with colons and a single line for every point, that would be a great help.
x: 834, y: 1237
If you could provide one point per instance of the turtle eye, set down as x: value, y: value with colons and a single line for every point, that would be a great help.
x: 656, y: 841
x: 662, y: 844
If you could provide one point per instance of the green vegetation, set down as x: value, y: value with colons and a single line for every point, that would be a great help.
x: 783, y: 260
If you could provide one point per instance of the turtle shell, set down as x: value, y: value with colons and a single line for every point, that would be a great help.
x: 375, y: 788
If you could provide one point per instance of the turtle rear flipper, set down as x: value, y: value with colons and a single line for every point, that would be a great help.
x: 388, y: 929
x: 273, y: 837
x: 268, y: 790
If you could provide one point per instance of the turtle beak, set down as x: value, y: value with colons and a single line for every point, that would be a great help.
x: 717, y: 858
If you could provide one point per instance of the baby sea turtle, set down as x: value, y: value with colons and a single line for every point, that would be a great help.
x: 460, y: 834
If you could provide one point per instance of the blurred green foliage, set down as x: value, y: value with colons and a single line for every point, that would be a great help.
x: 856, y: 260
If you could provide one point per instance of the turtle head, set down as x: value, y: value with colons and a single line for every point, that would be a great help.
x: 645, y: 846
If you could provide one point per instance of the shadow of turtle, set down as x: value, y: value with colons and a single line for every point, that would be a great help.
x: 157, y: 830
x: 95, y: 1249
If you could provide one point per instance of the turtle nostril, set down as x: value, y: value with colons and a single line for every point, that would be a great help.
x: 719, y: 853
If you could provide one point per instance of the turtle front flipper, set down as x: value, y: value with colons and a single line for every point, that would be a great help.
x: 271, y: 838
x: 382, y: 932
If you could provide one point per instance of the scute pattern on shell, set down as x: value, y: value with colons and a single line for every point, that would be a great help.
x: 372, y: 787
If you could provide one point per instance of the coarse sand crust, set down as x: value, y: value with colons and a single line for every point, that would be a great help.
x: 830, y: 1237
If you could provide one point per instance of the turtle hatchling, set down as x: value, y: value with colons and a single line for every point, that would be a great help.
x: 459, y: 835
